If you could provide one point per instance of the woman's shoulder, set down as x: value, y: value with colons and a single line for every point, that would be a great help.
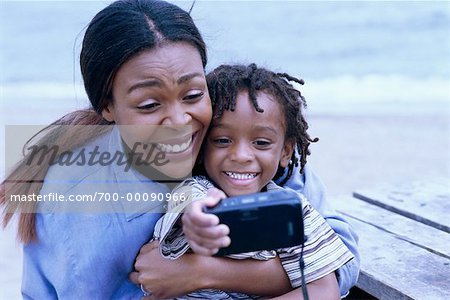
x: 81, y: 164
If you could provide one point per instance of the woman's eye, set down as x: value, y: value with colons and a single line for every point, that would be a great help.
x: 148, y: 106
x: 194, y: 95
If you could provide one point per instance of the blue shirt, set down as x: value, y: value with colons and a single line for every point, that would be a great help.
x: 87, y: 250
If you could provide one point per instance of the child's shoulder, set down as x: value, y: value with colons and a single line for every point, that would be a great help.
x: 203, y: 181
x: 272, y: 186
x: 199, y: 182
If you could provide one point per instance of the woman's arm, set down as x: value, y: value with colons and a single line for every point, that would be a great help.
x: 78, y: 257
x: 310, y: 185
x: 166, y: 278
x: 325, y: 288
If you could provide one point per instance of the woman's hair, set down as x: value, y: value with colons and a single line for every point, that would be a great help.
x: 226, y: 81
x: 119, y: 32
x: 122, y: 30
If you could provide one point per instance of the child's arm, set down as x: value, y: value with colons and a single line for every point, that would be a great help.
x: 204, y: 231
x: 325, y: 288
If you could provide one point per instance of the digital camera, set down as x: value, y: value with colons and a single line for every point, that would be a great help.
x: 261, y: 221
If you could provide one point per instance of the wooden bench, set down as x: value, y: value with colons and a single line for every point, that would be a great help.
x: 404, y: 239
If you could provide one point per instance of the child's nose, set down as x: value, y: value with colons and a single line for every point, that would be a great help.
x: 242, y: 153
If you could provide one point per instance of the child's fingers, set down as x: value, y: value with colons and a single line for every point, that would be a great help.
x: 202, y: 250
x: 202, y: 230
x: 196, y: 243
x: 209, y: 247
x: 195, y: 210
x: 211, y: 238
x: 209, y: 232
x: 216, y: 193
x: 196, y: 216
x: 210, y: 200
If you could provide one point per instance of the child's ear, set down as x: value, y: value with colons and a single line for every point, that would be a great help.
x: 286, y: 153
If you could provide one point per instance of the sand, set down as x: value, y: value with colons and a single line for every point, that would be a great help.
x: 353, y: 152
x: 360, y: 152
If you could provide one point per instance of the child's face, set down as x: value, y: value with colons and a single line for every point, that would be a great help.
x: 244, y: 147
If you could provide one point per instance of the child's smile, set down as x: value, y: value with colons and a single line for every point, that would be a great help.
x: 241, y: 179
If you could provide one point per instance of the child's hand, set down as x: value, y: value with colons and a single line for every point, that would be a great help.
x: 203, y: 231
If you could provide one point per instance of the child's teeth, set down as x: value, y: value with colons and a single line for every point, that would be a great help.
x: 241, y: 176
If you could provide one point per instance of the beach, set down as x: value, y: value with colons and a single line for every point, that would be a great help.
x: 368, y: 151
x: 353, y: 152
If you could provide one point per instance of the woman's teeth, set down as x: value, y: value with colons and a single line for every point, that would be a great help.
x: 241, y: 176
x: 167, y: 148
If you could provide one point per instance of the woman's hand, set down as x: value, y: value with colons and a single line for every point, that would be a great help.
x: 166, y: 278
x: 203, y: 232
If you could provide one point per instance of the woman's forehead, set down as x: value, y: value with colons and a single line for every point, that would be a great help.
x: 170, y: 60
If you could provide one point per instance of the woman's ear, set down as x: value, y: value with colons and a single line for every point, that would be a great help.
x: 108, y: 113
x: 286, y: 153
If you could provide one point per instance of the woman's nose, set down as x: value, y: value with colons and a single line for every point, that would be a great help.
x: 176, y: 115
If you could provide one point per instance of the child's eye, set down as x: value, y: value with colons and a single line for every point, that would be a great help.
x: 194, y: 95
x: 222, y: 141
x: 262, y: 143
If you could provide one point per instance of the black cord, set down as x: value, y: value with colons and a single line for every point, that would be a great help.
x: 302, y: 267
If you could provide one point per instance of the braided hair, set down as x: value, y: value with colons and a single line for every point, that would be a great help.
x: 226, y: 81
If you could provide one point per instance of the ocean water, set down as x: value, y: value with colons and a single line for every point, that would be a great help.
x: 356, y: 57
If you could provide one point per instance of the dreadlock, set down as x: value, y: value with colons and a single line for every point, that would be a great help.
x: 226, y: 81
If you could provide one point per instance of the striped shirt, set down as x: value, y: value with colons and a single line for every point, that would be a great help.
x: 323, y: 253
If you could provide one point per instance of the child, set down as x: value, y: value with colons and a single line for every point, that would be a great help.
x: 257, y: 123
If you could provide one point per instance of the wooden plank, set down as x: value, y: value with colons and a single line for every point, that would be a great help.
x: 372, y: 286
x: 427, y: 202
x: 402, y: 228
x: 395, y: 266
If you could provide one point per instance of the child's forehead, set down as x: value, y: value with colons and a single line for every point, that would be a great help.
x: 245, y: 108
x: 260, y: 95
x: 249, y: 104
x: 268, y: 98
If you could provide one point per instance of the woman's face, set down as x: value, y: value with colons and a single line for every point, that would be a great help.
x: 162, y: 106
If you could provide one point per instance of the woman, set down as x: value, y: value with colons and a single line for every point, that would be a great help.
x: 143, y: 66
